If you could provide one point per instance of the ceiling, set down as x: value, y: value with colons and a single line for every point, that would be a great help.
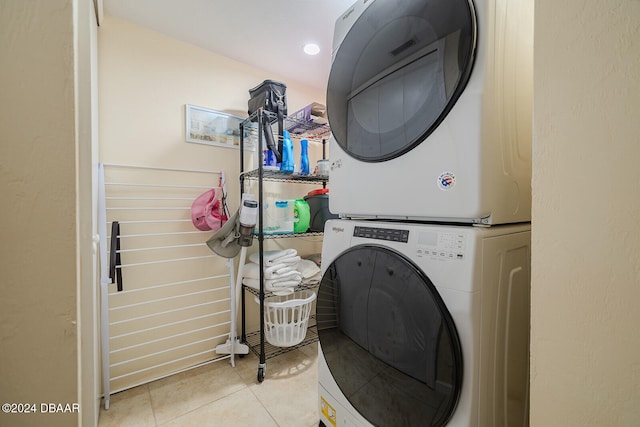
x: 268, y: 34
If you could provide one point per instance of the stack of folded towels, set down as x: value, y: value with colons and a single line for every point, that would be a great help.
x: 283, y: 270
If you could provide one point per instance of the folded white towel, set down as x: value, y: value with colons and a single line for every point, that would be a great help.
x: 282, y: 292
x: 284, y: 256
x: 312, y: 279
x: 291, y: 262
x: 307, y: 268
x: 271, y: 285
x: 275, y: 272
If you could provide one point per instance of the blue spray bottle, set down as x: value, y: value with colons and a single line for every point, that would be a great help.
x: 287, y: 153
x: 304, y: 157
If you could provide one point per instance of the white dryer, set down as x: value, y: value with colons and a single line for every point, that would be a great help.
x: 423, y: 325
x: 429, y: 103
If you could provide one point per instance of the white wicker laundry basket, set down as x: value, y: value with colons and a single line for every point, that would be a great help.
x: 286, y: 318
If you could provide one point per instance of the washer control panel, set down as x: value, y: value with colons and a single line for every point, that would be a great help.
x: 390, y: 234
x: 442, y: 245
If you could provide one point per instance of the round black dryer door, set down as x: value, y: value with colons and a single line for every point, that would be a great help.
x: 388, y: 339
x: 397, y: 74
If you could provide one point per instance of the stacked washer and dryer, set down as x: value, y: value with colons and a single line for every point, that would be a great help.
x: 423, y: 306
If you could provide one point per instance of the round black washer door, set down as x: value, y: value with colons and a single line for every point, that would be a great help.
x: 397, y: 74
x: 388, y: 339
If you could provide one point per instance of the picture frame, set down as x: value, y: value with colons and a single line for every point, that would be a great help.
x: 216, y: 128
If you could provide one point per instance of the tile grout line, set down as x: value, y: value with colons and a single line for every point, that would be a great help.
x: 153, y: 411
x: 263, y: 405
x: 242, y: 382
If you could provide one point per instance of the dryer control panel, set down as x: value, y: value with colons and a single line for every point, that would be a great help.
x: 443, y: 245
x: 390, y: 234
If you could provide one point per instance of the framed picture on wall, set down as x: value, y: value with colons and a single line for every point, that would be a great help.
x: 211, y: 127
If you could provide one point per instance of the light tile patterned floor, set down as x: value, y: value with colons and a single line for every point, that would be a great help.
x: 219, y: 395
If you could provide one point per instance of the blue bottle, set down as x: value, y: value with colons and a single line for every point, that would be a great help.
x: 287, y: 153
x: 270, y: 158
x: 304, y: 157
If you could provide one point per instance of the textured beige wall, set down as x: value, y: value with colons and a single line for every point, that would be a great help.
x: 145, y: 81
x: 585, y: 344
x: 38, y: 338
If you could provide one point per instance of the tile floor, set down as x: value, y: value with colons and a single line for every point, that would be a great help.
x: 219, y: 395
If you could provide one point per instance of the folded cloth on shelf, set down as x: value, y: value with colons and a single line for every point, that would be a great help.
x: 271, y: 285
x: 274, y: 272
x: 283, y: 291
x: 284, y: 256
x: 312, y: 279
x: 307, y: 268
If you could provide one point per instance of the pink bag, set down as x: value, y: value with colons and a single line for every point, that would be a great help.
x: 208, y: 210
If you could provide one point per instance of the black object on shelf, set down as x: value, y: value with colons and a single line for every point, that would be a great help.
x: 270, y: 96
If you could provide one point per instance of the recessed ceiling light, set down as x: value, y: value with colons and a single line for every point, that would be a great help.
x: 311, y: 49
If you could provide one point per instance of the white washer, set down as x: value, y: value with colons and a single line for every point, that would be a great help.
x: 429, y: 103
x: 423, y: 324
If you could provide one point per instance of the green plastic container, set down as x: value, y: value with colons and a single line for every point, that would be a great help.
x: 301, y: 216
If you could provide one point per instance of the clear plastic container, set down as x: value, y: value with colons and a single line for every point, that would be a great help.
x: 284, y: 215
x: 277, y: 217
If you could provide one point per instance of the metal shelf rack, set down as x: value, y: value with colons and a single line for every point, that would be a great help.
x: 252, y: 128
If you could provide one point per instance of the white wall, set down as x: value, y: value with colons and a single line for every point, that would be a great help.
x: 38, y: 231
x: 585, y: 344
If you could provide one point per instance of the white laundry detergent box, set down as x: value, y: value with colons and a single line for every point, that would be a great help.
x: 277, y: 216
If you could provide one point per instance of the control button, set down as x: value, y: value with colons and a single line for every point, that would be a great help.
x: 388, y: 234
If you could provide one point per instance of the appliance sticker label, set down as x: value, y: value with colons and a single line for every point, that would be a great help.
x: 328, y: 411
x: 446, y: 181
